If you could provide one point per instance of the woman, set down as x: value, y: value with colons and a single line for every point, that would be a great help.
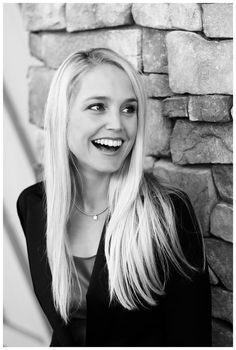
x: 116, y: 258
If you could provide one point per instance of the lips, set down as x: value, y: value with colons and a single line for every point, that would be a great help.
x: 110, y: 145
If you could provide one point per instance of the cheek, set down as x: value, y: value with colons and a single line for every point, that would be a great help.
x: 70, y: 136
x: 73, y: 138
x: 132, y: 130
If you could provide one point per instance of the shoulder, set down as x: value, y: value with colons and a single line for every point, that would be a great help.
x: 187, y: 226
x: 36, y: 190
x: 32, y: 193
x: 185, y: 215
x: 31, y: 205
x: 188, y: 229
x: 178, y: 199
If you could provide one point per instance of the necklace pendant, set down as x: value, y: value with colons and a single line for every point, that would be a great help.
x: 95, y: 217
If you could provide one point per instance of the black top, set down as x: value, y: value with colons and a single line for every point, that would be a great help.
x: 182, y: 317
x: 78, y: 314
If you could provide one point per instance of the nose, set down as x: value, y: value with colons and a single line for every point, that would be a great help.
x: 114, y: 121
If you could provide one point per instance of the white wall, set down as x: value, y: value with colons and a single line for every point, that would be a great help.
x: 24, y: 323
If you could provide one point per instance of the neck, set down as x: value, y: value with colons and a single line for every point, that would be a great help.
x: 94, y: 191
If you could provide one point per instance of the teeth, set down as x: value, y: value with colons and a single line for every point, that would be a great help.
x: 110, y: 143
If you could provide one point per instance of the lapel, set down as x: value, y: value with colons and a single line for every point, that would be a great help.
x: 41, y: 275
x: 35, y: 224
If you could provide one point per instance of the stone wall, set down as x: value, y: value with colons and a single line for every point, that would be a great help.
x: 185, y: 53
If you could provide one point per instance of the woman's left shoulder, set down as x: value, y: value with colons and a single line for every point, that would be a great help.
x: 177, y: 197
x: 188, y: 228
x: 185, y: 215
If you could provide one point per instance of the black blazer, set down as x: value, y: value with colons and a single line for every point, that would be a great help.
x: 182, y: 317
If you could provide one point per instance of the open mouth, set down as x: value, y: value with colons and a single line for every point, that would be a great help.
x: 108, y: 145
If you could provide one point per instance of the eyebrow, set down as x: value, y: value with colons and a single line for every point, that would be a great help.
x: 131, y: 99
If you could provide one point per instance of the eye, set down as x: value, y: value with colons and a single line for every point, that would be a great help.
x: 129, y: 109
x: 97, y: 107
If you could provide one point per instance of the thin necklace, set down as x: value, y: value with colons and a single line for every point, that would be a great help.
x: 94, y: 216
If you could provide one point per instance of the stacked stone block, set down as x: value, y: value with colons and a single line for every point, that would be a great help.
x: 185, y: 54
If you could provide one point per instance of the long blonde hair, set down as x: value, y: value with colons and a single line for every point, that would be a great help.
x: 141, y: 228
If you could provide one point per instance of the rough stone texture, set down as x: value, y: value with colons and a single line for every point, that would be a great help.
x: 221, y: 334
x: 222, y: 221
x: 81, y: 16
x: 157, y: 85
x: 199, y: 66
x: 154, y: 52
x: 220, y: 259
x: 39, y: 79
x: 218, y: 20
x: 56, y: 47
x: 44, y: 16
x: 193, y: 143
x: 196, y: 182
x: 222, y: 304
x: 35, y: 45
x: 149, y: 164
x: 168, y: 16
x: 158, y: 130
x: 176, y: 107
x: 213, y: 278
x: 210, y: 108
x: 223, y: 178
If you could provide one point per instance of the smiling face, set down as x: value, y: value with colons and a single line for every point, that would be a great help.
x: 102, y: 124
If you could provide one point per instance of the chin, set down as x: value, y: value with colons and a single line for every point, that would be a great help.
x: 110, y: 168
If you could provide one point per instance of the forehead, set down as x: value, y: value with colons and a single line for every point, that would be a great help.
x: 106, y: 80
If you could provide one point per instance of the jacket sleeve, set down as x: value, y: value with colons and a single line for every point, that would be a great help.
x: 21, y: 209
x: 32, y: 217
x: 187, y: 311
